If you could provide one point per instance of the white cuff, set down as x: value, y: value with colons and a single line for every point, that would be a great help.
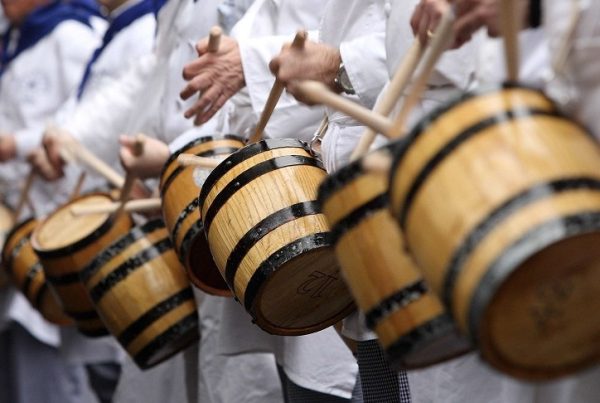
x: 364, y: 60
x: 27, y: 139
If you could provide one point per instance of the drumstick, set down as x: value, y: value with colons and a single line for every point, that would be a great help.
x: 214, y: 39
x: 131, y: 206
x: 442, y: 38
x: 377, y: 162
x: 509, y: 22
x: 275, y: 94
x: 137, y: 149
x: 24, y: 196
x: 395, y: 89
x: 319, y: 93
x: 31, y: 207
x: 82, y: 155
x: 73, y: 151
x: 187, y: 160
x: 78, y: 185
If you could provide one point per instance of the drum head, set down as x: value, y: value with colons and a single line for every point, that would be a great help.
x: 62, y: 228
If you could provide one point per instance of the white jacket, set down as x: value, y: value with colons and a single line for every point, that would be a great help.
x: 266, y: 26
x: 131, y: 44
x: 32, y: 88
x: 116, y: 109
x: 578, y: 87
x: 192, y: 24
x: 357, y: 28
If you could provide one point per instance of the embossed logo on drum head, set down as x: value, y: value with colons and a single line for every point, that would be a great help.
x: 316, y: 285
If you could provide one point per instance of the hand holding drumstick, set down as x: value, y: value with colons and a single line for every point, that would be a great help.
x: 145, y: 164
x: 312, y: 61
x: 471, y: 15
x: 134, y: 154
x: 216, y: 75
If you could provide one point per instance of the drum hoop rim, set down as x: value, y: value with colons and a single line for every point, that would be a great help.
x: 243, y: 154
x: 13, y: 232
x: 246, y: 177
x: 79, y: 244
x: 193, y: 143
x: 164, y: 185
x: 404, y: 144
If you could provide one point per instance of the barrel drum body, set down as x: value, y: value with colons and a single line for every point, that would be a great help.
x: 179, y: 188
x: 143, y: 295
x: 270, y: 240
x: 26, y: 273
x: 6, y: 223
x: 499, y: 198
x: 65, y: 244
x: 412, y: 325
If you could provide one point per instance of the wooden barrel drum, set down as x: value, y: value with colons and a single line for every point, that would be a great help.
x: 143, y: 295
x: 26, y: 273
x: 179, y: 187
x: 6, y: 223
x: 499, y: 197
x: 410, y: 321
x: 65, y: 244
x: 270, y: 240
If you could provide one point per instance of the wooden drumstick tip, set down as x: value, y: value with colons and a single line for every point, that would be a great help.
x: 187, y: 160
x: 214, y: 39
x: 312, y: 90
x: 66, y: 153
x: 318, y: 93
x: 132, y: 206
x: 378, y: 162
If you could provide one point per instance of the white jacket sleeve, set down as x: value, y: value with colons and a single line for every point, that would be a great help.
x: 290, y: 119
x: 364, y: 59
x: 455, y: 67
x: 72, y: 46
x: 106, y: 114
x: 27, y: 139
x: 127, y: 103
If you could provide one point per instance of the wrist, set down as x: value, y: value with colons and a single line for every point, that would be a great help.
x: 8, y: 147
x: 342, y: 81
x: 335, y: 60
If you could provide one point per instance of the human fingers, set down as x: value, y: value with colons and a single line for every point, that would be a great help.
x: 195, y: 67
x: 210, y: 112
x: 206, y: 98
x: 40, y: 164
x: 198, y: 84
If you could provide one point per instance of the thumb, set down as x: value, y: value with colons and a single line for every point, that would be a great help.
x: 202, y: 46
x: 274, y: 65
x: 126, y: 157
x: 125, y: 140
